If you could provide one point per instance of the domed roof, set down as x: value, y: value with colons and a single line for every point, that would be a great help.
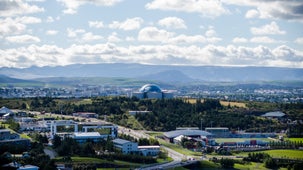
x: 150, y: 88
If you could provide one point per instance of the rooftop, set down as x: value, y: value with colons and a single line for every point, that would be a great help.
x: 120, y: 141
x: 87, y: 134
x: 186, y: 132
x: 150, y: 88
x: 274, y: 114
x: 148, y: 147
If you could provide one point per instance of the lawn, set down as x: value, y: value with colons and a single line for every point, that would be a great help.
x: 280, y: 153
x: 295, y: 139
x: 233, y: 104
x: 220, y: 140
x: 89, y: 160
x: 201, y: 165
x: 83, y: 102
x: 179, y: 148
x: 292, y: 154
x: 154, y: 134
x: 224, y: 103
x: 134, y: 123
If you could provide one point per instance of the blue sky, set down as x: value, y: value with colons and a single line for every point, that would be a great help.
x: 178, y: 32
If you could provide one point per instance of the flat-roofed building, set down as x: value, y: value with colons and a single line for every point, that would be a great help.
x: 82, y: 137
x: 6, y: 134
x: 152, y: 150
x: 169, y: 136
x: 8, y: 138
x: 125, y: 146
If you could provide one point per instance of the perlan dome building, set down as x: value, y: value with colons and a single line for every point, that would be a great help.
x: 152, y: 91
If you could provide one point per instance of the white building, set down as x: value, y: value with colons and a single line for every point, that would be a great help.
x: 28, y: 167
x: 128, y: 147
x: 82, y: 137
x: 125, y: 146
x: 149, y: 150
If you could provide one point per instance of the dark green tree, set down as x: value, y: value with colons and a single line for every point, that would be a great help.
x: 227, y: 163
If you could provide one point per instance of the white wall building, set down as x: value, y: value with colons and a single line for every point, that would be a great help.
x: 82, y: 137
x: 125, y: 146
x: 149, y: 150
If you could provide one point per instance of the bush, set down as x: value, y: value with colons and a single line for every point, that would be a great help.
x: 227, y: 163
x: 270, y: 163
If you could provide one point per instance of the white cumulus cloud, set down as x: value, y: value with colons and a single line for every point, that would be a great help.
x: 73, y: 5
x: 240, y: 40
x: 185, y: 39
x: 10, y: 26
x: 271, y: 9
x: 46, y: 55
x: 299, y: 40
x: 96, y: 24
x: 263, y: 39
x: 81, y: 36
x: 23, y: 39
x: 113, y: 38
x: 128, y: 24
x: 271, y: 28
x: 172, y: 22
x: 72, y: 33
x: 17, y: 7
x: 252, y: 13
x: 16, y: 25
x: 207, y: 8
x: 51, y: 32
x: 88, y: 36
x: 154, y: 34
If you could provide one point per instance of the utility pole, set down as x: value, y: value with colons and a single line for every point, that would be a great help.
x: 201, y: 124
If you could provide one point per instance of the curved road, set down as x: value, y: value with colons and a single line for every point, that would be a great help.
x: 176, y: 156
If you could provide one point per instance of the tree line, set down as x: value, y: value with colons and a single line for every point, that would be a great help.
x: 168, y: 114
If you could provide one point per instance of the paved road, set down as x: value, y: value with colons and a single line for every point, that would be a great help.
x: 176, y: 156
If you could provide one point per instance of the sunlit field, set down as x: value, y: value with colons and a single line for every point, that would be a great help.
x: 224, y: 103
x: 281, y: 153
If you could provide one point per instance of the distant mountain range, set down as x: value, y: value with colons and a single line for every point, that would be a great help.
x: 6, y: 79
x: 160, y: 73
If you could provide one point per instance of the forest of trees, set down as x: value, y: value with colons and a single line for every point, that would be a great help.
x: 168, y: 114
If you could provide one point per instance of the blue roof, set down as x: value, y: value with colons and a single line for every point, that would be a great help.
x: 186, y: 132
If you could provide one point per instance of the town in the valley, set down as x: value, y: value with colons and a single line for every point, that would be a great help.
x: 149, y: 130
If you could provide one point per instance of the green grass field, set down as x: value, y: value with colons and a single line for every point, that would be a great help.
x: 154, y: 134
x: 89, y: 160
x: 280, y: 153
x: 252, y: 165
x: 220, y: 140
x: 295, y: 139
x: 179, y: 148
